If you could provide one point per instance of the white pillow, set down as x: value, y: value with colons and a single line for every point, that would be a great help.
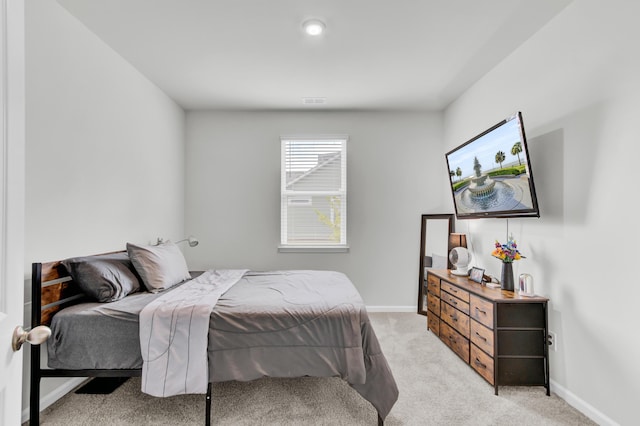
x: 161, y: 266
x: 438, y: 262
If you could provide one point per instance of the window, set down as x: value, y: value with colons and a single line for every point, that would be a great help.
x: 313, y: 213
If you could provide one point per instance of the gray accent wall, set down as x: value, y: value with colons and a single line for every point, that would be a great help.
x: 395, y: 161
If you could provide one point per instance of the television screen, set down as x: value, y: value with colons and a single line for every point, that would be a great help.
x: 491, y: 174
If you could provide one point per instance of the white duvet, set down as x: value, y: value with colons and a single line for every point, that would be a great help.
x: 174, y: 333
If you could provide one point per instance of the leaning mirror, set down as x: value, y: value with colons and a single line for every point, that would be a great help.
x: 434, y: 250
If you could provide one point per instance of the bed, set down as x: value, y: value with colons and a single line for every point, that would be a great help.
x: 268, y: 324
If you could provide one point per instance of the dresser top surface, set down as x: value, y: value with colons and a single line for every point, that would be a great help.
x: 494, y: 294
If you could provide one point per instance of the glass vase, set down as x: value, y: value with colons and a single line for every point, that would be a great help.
x: 506, y: 281
x: 525, y: 285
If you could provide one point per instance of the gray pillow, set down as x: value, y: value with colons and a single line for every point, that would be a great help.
x: 105, y: 277
x: 161, y: 266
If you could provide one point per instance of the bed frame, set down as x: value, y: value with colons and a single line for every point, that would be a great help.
x: 52, y: 289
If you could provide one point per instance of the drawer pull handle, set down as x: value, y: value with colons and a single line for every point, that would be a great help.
x: 483, y: 338
x: 454, y: 302
x: 481, y: 311
x: 480, y: 364
x: 455, y: 319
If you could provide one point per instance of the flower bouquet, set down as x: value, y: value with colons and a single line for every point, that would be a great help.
x: 507, y: 253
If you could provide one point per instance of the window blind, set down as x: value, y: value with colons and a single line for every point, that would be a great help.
x: 314, y: 192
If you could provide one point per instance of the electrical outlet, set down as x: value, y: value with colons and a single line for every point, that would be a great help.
x: 553, y: 341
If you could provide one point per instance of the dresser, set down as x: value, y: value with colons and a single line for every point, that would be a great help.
x: 500, y: 334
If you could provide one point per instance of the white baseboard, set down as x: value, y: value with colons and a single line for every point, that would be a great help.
x: 581, y: 405
x: 411, y: 308
x: 56, y: 394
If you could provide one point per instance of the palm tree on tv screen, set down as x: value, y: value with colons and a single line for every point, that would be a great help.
x: 500, y: 157
x: 516, y: 149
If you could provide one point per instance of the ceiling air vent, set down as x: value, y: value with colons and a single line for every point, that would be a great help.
x: 314, y: 101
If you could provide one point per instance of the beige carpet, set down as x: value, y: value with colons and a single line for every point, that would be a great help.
x: 436, y: 388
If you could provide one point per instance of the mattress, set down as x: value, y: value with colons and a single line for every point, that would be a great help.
x: 96, y: 336
x: 92, y: 336
x: 269, y: 324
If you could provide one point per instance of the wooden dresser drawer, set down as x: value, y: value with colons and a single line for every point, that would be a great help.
x: 455, y: 341
x: 455, y: 291
x: 433, y: 303
x: 433, y: 323
x: 482, y: 311
x: 433, y: 285
x: 482, y: 363
x: 481, y: 336
x: 454, y: 318
x: 499, y: 334
x: 455, y: 302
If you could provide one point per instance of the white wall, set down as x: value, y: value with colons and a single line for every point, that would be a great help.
x: 233, y: 193
x: 104, y: 150
x: 577, y: 83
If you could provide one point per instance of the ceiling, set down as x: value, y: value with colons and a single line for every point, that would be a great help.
x: 253, y: 54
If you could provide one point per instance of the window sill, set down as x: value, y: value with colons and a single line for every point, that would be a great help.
x: 313, y: 249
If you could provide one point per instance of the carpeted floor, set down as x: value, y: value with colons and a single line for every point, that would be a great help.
x: 436, y: 388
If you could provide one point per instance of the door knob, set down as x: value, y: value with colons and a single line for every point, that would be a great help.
x: 35, y: 336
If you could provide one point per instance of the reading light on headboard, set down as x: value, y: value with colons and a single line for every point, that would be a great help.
x: 193, y: 241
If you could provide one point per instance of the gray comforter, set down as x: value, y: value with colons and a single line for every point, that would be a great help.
x: 174, y: 332
x: 272, y: 324
x: 299, y: 323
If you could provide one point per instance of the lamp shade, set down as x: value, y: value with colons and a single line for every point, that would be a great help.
x: 457, y: 240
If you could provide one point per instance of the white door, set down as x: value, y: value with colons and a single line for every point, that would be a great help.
x: 12, y: 145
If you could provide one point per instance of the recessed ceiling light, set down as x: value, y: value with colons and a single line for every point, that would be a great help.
x: 313, y: 27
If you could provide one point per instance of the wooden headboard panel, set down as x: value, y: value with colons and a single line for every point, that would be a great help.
x: 52, y: 289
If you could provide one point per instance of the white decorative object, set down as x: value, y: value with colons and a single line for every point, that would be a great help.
x: 460, y: 257
x: 525, y: 286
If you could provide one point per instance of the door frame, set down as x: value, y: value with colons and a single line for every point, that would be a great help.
x: 12, y: 197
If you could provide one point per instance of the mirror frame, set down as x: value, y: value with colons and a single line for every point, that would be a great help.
x: 422, y: 310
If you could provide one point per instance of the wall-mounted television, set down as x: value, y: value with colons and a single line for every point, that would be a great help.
x: 491, y: 175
